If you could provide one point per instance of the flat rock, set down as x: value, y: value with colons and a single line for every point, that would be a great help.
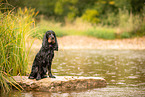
x: 60, y: 83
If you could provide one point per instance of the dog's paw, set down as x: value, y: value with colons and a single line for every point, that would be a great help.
x: 31, y: 77
x: 44, y: 76
x: 52, y: 76
x: 38, y: 78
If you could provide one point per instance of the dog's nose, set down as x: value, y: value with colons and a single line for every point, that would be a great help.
x: 52, y: 38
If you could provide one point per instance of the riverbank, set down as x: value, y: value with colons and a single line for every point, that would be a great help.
x: 84, y: 42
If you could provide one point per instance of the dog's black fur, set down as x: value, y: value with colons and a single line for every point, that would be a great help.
x: 43, y: 59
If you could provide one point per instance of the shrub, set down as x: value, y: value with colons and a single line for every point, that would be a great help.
x: 90, y: 15
x: 125, y: 35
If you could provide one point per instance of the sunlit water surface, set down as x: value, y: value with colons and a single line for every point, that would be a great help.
x: 124, y: 71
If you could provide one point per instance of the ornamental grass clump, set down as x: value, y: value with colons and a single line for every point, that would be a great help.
x: 15, y: 28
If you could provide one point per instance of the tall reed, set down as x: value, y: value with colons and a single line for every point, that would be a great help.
x: 130, y: 24
x: 15, y: 28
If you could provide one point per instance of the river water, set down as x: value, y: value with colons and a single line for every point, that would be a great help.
x: 124, y: 71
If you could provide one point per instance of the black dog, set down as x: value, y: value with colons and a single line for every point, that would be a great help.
x: 43, y: 59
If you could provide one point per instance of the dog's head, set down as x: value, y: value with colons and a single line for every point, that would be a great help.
x: 50, y: 39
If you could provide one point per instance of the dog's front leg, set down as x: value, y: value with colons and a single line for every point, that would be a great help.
x: 39, y: 72
x: 38, y: 76
x: 49, y: 71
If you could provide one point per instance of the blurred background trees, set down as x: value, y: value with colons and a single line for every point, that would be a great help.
x: 126, y: 16
x: 90, y: 10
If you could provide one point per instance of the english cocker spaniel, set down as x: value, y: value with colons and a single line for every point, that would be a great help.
x: 43, y: 59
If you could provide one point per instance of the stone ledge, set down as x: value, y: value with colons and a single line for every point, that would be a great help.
x: 60, y: 83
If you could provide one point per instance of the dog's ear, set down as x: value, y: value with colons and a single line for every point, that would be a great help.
x: 56, y: 44
x: 45, y: 40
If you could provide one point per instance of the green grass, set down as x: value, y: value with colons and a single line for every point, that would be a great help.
x: 105, y: 33
x: 15, y: 28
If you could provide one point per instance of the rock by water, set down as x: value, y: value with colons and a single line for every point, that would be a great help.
x: 60, y: 83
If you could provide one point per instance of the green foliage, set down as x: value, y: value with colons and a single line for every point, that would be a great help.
x: 58, y: 8
x: 15, y: 29
x: 65, y: 8
x: 112, y: 19
x: 91, y: 16
x: 93, y: 11
x: 121, y: 4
